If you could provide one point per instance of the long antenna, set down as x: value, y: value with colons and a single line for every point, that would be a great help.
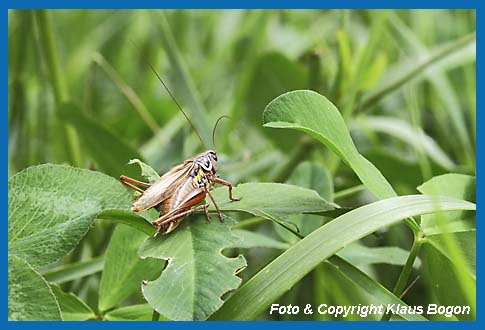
x: 214, y: 130
x: 178, y: 105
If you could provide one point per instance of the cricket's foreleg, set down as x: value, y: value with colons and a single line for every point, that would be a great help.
x: 127, y: 181
x: 221, y: 217
x: 227, y: 184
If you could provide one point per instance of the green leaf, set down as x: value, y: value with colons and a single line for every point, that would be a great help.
x: 406, y: 133
x: 313, y: 114
x: 361, y: 255
x: 29, y: 295
x: 197, y: 274
x: 404, y: 174
x: 69, y: 272
x: 142, y: 312
x: 453, y: 185
x: 249, y: 239
x: 293, y: 264
x: 128, y: 218
x: 72, y: 307
x: 465, y: 241
x: 109, y: 151
x: 461, y: 224
x: 51, y: 207
x: 273, y: 74
x: 124, y: 270
x: 315, y: 177
x: 377, y: 293
x: 146, y: 171
x: 276, y: 199
x: 445, y: 280
x: 450, y: 249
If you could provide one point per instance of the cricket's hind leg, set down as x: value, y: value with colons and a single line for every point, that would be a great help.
x: 178, y: 212
x: 127, y: 181
x: 168, y: 224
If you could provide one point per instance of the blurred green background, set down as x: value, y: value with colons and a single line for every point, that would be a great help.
x: 81, y: 92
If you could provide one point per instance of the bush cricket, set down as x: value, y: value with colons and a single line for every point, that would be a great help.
x: 179, y: 192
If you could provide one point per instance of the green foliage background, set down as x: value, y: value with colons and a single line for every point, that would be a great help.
x: 399, y: 113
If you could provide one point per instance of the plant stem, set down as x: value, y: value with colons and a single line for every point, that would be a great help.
x: 248, y: 223
x: 406, y: 271
x: 348, y: 192
x: 419, y: 68
x: 155, y: 316
x: 61, y: 95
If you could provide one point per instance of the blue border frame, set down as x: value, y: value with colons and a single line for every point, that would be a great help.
x: 210, y: 4
x: 234, y: 4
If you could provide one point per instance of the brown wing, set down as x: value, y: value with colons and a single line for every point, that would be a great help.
x: 163, y: 187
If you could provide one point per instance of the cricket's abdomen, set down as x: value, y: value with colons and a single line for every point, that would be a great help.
x: 177, y: 197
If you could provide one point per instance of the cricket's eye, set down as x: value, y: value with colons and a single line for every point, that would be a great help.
x: 205, y: 163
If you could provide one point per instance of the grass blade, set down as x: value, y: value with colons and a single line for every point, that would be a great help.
x: 184, y: 84
x: 415, y: 70
x: 286, y: 270
x: 74, y: 271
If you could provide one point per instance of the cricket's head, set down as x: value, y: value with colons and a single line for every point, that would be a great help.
x: 208, y: 161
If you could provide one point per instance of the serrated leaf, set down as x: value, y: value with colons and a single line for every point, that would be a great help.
x: 72, y: 307
x: 123, y: 269
x: 282, y: 273
x: 197, y: 274
x: 51, y: 207
x: 29, y: 295
x: 314, y: 114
